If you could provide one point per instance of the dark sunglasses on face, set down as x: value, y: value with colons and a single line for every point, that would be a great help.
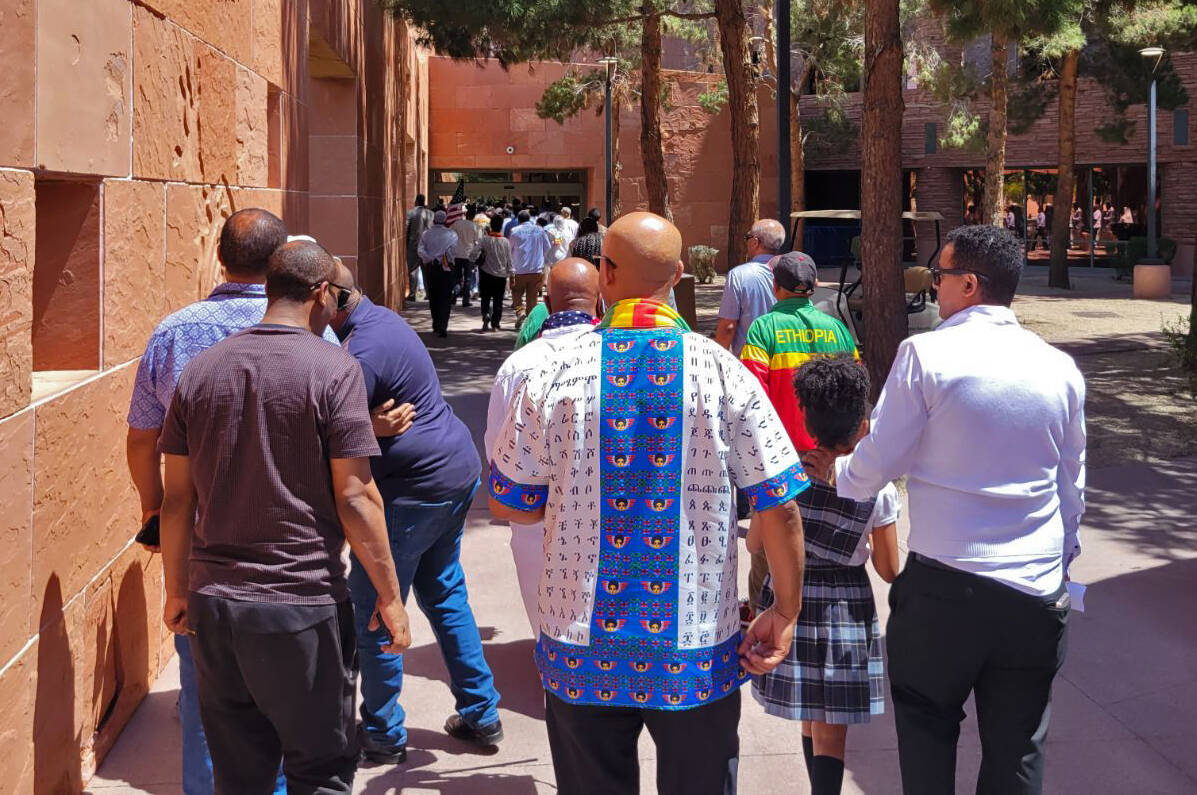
x: 937, y: 273
x: 343, y: 294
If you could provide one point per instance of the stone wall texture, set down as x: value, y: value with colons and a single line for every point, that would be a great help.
x: 133, y: 128
x: 475, y: 113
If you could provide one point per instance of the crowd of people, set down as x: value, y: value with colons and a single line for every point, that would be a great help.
x: 621, y: 448
x: 1107, y: 223
x: 476, y: 250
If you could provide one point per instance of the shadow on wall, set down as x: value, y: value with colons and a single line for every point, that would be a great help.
x: 56, y: 740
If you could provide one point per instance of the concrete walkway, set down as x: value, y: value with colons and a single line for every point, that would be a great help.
x: 1122, y: 716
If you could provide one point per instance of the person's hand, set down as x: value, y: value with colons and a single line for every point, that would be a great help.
x: 145, y: 517
x: 820, y: 463
x: 174, y: 614
x: 393, y: 616
x: 391, y: 420
x: 766, y: 642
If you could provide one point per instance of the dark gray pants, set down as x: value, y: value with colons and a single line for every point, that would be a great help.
x: 951, y: 633
x: 276, y: 682
x: 594, y: 748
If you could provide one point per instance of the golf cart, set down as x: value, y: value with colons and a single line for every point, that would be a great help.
x: 835, y: 241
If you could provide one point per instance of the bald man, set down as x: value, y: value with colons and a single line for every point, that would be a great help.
x: 627, y: 441
x: 748, y: 293
x: 576, y: 285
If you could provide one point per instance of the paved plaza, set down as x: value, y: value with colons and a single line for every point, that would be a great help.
x: 1124, y: 703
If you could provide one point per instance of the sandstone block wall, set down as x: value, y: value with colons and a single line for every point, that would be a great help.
x: 133, y: 128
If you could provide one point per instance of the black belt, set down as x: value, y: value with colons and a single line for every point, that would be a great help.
x: 935, y: 564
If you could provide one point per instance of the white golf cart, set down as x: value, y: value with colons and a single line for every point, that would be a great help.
x: 845, y: 298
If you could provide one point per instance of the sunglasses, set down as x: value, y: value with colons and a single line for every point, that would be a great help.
x: 937, y: 273
x: 343, y: 294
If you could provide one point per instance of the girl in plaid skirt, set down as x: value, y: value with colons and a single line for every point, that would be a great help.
x: 834, y: 675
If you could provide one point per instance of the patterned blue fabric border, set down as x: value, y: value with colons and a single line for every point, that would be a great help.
x: 631, y: 675
x: 516, y: 495
x: 778, y: 489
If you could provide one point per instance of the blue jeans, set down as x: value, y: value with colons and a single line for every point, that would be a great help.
x: 426, y: 544
x: 197, y: 763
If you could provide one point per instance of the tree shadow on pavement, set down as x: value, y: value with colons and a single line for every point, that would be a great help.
x: 419, y: 773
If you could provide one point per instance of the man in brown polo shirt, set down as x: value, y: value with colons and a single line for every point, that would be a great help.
x: 268, y: 443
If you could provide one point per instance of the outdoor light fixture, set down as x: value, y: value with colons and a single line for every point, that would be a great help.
x: 610, y: 62
x: 1152, y: 242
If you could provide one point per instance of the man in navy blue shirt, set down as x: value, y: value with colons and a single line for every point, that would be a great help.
x: 427, y: 477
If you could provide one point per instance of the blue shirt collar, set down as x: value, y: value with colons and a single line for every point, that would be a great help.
x: 762, y: 258
x: 240, y: 289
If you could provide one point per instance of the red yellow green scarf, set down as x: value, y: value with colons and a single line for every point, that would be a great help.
x: 641, y: 313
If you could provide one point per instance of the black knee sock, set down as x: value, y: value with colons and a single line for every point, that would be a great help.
x: 827, y: 775
x: 808, y: 751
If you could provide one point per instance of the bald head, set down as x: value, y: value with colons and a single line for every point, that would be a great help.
x: 641, y: 257
x: 770, y: 235
x: 573, y: 284
x: 248, y: 239
x: 295, y: 267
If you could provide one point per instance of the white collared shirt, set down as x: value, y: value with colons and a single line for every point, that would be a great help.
x: 988, y: 422
x: 436, y: 242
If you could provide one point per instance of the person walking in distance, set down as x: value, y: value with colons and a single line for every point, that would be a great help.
x: 748, y: 293
x: 436, y: 253
x: 419, y: 218
x: 595, y: 444
x: 466, y: 252
x: 268, y: 442
x: 529, y: 250
x: 494, y: 268
x: 987, y: 420
x: 427, y: 477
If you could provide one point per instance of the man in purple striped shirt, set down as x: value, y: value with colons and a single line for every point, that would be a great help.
x: 268, y: 441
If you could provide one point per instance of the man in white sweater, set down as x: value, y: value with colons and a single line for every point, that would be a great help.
x: 987, y: 422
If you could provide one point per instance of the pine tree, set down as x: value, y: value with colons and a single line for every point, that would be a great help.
x: 1006, y: 22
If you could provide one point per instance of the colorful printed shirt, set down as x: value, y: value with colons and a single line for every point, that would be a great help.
x: 633, y: 437
x: 181, y: 336
x: 782, y: 340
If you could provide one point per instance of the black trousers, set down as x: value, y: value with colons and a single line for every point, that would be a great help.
x: 594, y: 748
x: 438, y: 286
x: 490, y: 293
x: 951, y: 633
x: 276, y: 682
x: 463, y: 279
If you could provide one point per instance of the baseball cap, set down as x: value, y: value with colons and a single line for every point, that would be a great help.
x: 796, y: 272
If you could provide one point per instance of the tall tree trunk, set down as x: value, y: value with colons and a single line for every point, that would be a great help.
x: 396, y: 294
x: 881, y: 191
x: 1065, y: 173
x: 616, y: 162
x: 652, y: 147
x: 798, y: 153
x: 993, y: 206
x: 745, y: 125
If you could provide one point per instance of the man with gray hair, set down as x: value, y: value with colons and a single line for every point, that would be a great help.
x: 748, y: 293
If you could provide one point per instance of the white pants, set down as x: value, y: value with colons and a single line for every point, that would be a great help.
x: 527, y: 550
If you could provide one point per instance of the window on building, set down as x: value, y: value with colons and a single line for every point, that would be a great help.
x: 1180, y: 127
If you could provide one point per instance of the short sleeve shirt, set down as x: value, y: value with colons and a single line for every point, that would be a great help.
x: 260, y: 415
x: 747, y: 295
x: 634, y: 440
x: 229, y: 308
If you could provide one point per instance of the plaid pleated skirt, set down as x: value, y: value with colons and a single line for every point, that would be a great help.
x: 835, y: 671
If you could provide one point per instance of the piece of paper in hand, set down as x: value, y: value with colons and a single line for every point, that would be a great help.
x: 1077, y: 593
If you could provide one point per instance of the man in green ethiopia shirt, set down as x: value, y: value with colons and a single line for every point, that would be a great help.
x: 782, y: 340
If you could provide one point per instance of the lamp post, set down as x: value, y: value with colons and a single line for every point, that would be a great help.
x: 1152, y: 242
x: 609, y: 62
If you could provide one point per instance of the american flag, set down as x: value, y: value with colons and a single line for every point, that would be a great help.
x: 456, y: 209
